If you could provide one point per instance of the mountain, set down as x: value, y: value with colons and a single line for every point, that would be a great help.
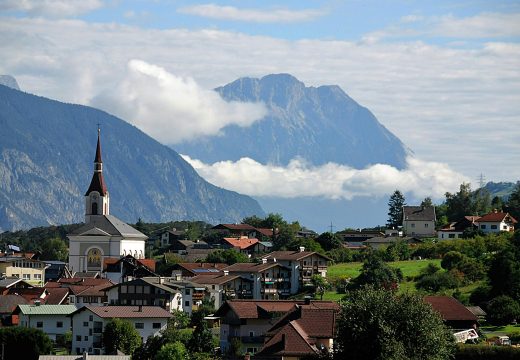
x: 500, y: 189
x: 47, y: 151
x: 319, y: 124
x: 9, y: 81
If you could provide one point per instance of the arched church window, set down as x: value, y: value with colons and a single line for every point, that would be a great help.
x: 94, y: 208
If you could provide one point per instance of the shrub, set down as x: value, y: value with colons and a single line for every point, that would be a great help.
x: 474, y: 352
x: 438, y: 281
x: 503, y: 310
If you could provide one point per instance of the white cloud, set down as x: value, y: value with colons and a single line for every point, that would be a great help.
x: 454, y: 105
x: 172, y: 109
x: 51, y: 8
x: 485, y: 25
x: 334, y: 181
x: 252, y: 15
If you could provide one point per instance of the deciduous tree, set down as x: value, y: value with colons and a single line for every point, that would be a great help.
x: 120, y: 335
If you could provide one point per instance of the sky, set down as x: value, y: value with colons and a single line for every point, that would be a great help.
x: 444, y: 76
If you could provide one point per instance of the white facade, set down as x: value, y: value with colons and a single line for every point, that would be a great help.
x: 87, y: 330
x: 449, y: 234
x: 52, y: 325
x: 419, y: 227
x: 494, y: 226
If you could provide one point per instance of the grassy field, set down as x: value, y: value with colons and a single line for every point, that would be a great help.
x: 410, y: 268
x: 490, y: 330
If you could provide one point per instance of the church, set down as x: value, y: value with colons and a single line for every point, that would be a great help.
x: 103, y: 236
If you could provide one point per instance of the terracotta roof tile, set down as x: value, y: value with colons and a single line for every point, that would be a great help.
x: 241, y: 243
x: 450, y: 308
x: 496, y: 217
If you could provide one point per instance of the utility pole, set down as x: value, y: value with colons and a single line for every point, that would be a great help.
x: 481, y: 180
x: 331, y: 227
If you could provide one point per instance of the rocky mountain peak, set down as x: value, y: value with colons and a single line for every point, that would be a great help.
x: 9, y: 81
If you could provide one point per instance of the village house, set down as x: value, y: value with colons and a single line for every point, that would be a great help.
x: 168, y: 238
x: 381, y: 242
x: 53, y: 320
x: 225, y: 287
x: 23, y: 266
x: 302, y: 266
x: 306, y: 330
x: 249, y: 320
x: 496, y: 221
x: 241, y: 244
x: 455, y: 230
x: 88, y: 324
x: 127, y: 268
x: 419, y: 221
x: 188, y: 270
x: 454, y: 314
x: 270, y: 280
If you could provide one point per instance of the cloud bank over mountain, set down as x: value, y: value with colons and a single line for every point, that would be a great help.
x: 171, y: 108
x: 299, y: 179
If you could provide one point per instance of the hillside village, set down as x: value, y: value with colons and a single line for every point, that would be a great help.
x: 248, y: 290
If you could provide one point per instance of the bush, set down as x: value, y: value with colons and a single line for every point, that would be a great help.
x: 438, y: 281
x: 480, y: 295
x: 478, y: 352
x: 24, y: 343
x: 503, y: 310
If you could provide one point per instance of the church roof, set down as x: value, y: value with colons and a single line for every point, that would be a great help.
x: 110, y: 225
x: 98, y: 182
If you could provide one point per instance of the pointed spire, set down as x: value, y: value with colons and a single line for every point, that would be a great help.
x: 98, y: 149
x: 98, y: 182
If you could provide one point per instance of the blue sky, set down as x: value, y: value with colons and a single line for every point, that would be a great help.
x: 444, y: 76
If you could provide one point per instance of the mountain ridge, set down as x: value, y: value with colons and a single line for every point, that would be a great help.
x: 46, y: 161
x: 319, y: 124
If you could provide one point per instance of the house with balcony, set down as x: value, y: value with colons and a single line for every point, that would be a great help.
x: 168, y: 238
x: 89, y: 322
x: 496, y: 221
x: 248, y: 321
x: 188, y: 270
x: 419, y: 221
x: 242, y: 244
x: 455, y: 230
x: 270, y: 280
x: 54, y: 320
x: 306, y: 331
x: 302, y: 265
x: 225, y: 287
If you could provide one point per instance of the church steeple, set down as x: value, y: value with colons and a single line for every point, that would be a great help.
x: 96, y: 197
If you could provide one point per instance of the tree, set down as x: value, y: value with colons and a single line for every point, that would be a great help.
x: 427, y: 201
x: 228, y: 256
x: 513, y: 202
x: 329, y: 241
x: 24, y: 343
x: 460, y: 204
x: 172, y: 351
x: 504, y: 274
x: 54, y: 249
x: 320, y: 284
x: 395, y: 209
x: 377, y: 273
x: 398, y: 250
x: 202, y: 339
x: 503, y: 310
x: 120, y: 335
x: 377, y: 324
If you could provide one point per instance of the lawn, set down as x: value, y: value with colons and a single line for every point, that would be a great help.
x: 351, y: 270
x: 491, y: 330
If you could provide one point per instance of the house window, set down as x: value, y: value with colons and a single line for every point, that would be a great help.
x: 139, y: 289
x: 78, y: 337
x: 494, y: 227
x: 412, y: 225
x: 186, y: 303
x: 451, y: 236
x: 124, y: 289
x: 91, y: 318
x: 85, y: 338
x: 156, y: 325
x: 59, y: 324
x: 85, y: 323
x: 251, y: 350
x: 37, y: 276
x: 504, y: 227
x: 251, y: 333
x: 482, y: 227
x: 77, y: 349
x: 187, y: 291
x: 26, y: 276
x: 39, y: 324
x: 131, y: 289
x: 139, y: 325
x: 425, y: 225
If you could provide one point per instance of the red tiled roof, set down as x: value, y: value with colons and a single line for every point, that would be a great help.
x: 93, y: 290
x: 251, y: 309
x: 242, y: 242
x: 265, y: 232
x: 450, y: 308
x: 29, y: 294
x: 214, y: 279
x: 85, y: 281
x: 234, y: 227
x: 149, y: 263
x: 9, y: 302
x: 496, y: 217
x: 126, y: 312
x: 193, y: 266
x: 291, y: 340
x: 56, y: 296
x: 252, y: 267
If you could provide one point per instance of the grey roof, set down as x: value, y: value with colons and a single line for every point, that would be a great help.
x: 266, y: 243
x: 419, y: 213
x: 111, y: 225
x: 8, y: 281
x: 9, y: 302
x: 47, y: 309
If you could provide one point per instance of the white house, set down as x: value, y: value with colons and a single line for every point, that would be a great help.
x: 419, y: 220
x: 496, y: 221
x: 53, y: 320
x: 88, y: 324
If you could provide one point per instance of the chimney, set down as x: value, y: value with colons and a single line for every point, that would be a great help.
x: 85, y: 355
x: 226, y: 272
x: 37, y: 303
x: 140, y: 308
x: 302, y: 248
x: 495, y: 211
x: 307, y: 300
x: 264, y: 260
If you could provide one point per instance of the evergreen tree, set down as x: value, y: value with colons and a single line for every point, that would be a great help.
x: 395, y: 209
x: 460, y: 204
x: 513, y: 203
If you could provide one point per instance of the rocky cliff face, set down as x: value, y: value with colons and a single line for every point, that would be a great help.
x: 47, y: 150
x: 320, y: 125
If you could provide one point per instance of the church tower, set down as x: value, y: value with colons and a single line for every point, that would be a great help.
x: 97, y: 199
